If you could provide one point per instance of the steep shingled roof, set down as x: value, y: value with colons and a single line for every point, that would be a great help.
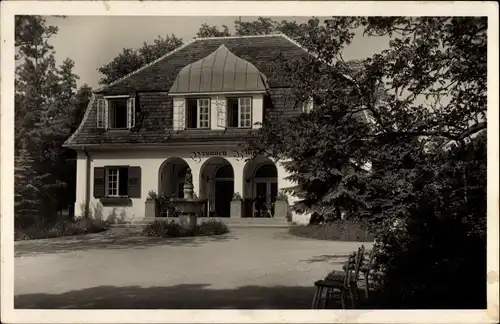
x: 154, y: 80
x: 160, y: 75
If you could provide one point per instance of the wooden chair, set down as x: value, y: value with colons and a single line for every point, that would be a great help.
x: 367, y: 270
x: 335, y: 281
x: 344, y: 282
x: 352, y: 281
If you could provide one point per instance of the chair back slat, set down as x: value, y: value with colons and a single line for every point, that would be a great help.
x: 359, y: 261
x: 371, y: 258
x: 349, y: 267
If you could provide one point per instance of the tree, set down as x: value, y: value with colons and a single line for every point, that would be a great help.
x: 44, y: 114
x: 26, y: 189
x: 160, y: 47
x: 425, y: 98
x: 130, y: 59
x: 261, y: 26
x: 126, y: 62
x: 212, y: 31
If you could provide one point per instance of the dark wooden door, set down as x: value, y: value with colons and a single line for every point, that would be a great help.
x: 223, y: 197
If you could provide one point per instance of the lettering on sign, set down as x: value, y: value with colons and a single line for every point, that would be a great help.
x: 196, y: 156
x: 238, y: 154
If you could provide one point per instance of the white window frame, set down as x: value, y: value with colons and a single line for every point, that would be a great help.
x: 200, y: 103
x: 115, y: 181
x: 102, y: 107
x: 248, y: 112
x: 103, y: 112
x: 203, y: 103
x: 130, y: 113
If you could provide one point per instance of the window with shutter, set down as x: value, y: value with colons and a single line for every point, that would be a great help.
x: 131, y: 112
x: 99, y: 182
x: 245, y: 112
x: 220, y: 106
x: 198, y: 113
x: 179, y: 116
x: 106, y: 114
x: 116, y: 112
x: 117, y: 181
x: 134, y: 182
x: 101, y: 113
x: 239, y: 112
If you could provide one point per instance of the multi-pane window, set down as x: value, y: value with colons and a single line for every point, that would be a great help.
x: 116, y: 113
x: 245, y: 112
x: 204, y: 106
x: 198, y: 113
x: 239, y: 112
x: 116, y: 182
x: 112, y: 182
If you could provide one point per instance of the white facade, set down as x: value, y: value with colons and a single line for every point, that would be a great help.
x: 201, y: 160
x: 214, y: 94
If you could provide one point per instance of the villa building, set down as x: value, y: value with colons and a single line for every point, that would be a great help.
x: 195, y: 108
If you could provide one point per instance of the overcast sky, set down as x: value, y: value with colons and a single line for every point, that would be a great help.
x: 92, y: 41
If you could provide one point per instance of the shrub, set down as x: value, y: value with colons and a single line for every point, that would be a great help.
x: 338, y: 230
x: 437, y: 258
x: 163, y: 229
x: 212, y: 227
x: 41, y: 230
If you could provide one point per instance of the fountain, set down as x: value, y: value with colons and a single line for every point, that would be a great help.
x: 188, y: 207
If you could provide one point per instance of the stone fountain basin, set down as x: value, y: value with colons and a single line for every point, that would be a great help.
x: 186, y: 206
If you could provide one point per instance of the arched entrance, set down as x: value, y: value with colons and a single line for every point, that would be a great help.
x: 171, y: 177
x: 260, y: 187
x: 217, y: 186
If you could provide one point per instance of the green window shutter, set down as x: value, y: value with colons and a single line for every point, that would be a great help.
x: 99, y: 182
x: 134, y: 182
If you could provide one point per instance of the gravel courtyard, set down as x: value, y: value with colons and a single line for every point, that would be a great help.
x: 249, y: 268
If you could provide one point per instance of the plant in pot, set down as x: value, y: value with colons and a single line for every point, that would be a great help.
x: 281, y: 205
x: 152, y: 205
x: 236, y: 210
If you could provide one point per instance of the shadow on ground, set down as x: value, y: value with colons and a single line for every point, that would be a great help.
x: 187, y: 296
x: 115, y: 238
x: 328, y: 258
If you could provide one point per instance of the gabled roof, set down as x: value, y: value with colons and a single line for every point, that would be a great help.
x: 220, y: 71
x: 260, y: 51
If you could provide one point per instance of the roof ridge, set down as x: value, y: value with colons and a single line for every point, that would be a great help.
x: 190, y: 43
x: 239, y: 36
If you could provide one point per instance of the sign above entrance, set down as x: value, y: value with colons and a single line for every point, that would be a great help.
x: 238, y: 154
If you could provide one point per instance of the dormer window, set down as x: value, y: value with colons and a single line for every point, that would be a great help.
x: 116, y: 112
x: 239, y: 112
x: 198, y: 113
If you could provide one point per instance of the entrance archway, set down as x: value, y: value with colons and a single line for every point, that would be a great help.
x: 217, y: 186
x: 171, y: 177
x: 260, y: 187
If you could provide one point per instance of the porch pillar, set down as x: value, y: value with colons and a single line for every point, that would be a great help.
x: 238, y: 167
x: 82, y: 184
